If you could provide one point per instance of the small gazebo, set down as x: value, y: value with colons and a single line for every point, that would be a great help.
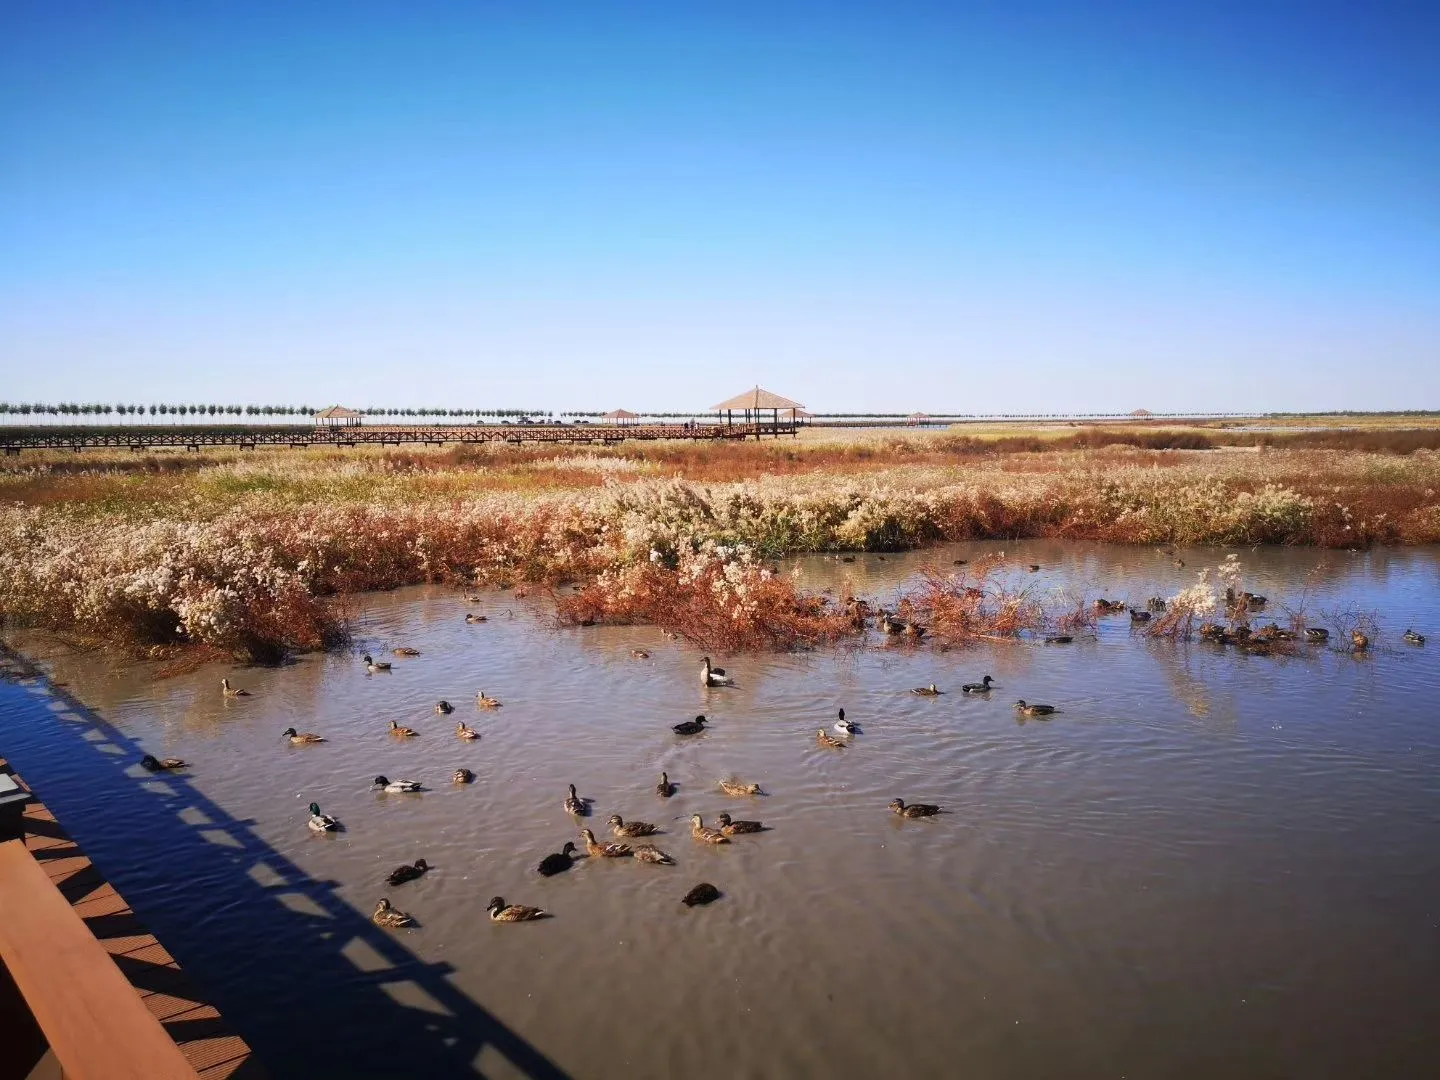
x: 337, y: 416
x: 622, y: 417
x: 917, y: 419
x: 758, y: 402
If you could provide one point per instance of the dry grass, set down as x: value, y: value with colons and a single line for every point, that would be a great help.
x: 250, y: 552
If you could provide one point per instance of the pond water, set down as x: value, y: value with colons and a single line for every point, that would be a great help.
x: 1206, y: 864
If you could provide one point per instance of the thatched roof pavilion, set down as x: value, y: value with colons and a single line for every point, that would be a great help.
x: 621, y: 416
x: 760, y: 401
x: 337, y: 416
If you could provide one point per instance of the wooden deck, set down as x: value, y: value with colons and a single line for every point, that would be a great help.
x: 42, y: 956
x: 140, y: 438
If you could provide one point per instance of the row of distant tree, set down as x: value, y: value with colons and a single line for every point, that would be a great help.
x: 95, y: 410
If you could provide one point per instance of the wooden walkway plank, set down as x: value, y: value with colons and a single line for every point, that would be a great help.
x: 97, y: 1025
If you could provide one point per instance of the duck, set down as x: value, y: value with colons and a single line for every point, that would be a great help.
x: 981, y: 687
x: 827, y: 740
x: 928, y: 691
x: 444, y: 708
x: 890, y: 624
x: 1414, y: 638
x: 321, y: 822
x: 1034, y: 568
x: 1359, y: 641
x: 557, y: 862
x: 576, y: 805
x: 397, y: 787
x: 463, y: 776
x: 1212, y: 632
x: 733, y: 828
x: 407, y: 872
x: 608, y: 850
x: 471, y: 619
x: 739, y: 789
x: 1316, y: 633
x: 232, y: 691
x: 714, y: 676
x: 406, y: 651
x: 690, y: 727
x: 709, y: 836
x: 620, y: 827
x: 299, y: 738
x: 389, y: 916
x: 402, y: 732
x: 1138, y: 616
x: 1254, y: 601
x: 846, y: 727
x: 847, y: 558
x: 1059, y: 639
x: 474, y: 598
x: 484, y: 701
x: 639, y: 654
x: 1034, y: 710
x: 1106, y: 607
x: 959, y: 562
x: 704, y: 893
x: 465, y: 731
x: 372, y: 665
x: 503, y: 912
x: 154, y: 764
x: 914, y: 629
x: 664, y: 788
x: 914, y: 810
x: 652, y: 854
x: 1156, y: 604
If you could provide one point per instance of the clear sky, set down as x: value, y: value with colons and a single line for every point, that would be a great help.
x: 1016, y: 206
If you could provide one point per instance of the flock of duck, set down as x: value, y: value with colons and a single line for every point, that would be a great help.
x: 389, y: 916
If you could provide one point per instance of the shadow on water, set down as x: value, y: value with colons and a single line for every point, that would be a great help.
x: 372, y: 1008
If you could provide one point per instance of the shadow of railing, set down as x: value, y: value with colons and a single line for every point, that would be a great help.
x: 255, y: 934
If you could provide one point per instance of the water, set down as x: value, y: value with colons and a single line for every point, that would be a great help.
x: 1208, y: 863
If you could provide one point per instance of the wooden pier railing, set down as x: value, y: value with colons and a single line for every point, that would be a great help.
x: 14, y: 440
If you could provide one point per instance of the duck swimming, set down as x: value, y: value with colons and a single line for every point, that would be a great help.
x: 652, y: 854
x: 928, y: 691
x: 301, y: 737
x: 704, y: 893
x: 154, y: 764
x: 608, y: 850
x: 1413, y: 638
x: 321, y: 822
x: 709, y: 836
x: 1059, y: 639
x: 372, y: 665
x: 981, y: 687
x: 407, y: 872
x: 232, y: 691
x: 402, y: 732
x: 846, y: 727
x: 1136, y: 615
x: 828, y: 741
x: 714, y: 676
x: 690, y: 727
x: 1034, y: 710
x: 914, y: 810
x: 484, y: 701
x: 397, y: 787
x: 639, y: 654
x: 444, y: 708
x: 576, y: 805
x: 465, y: 731
x: 738, y: 788
x: 407, y: 651
x: 1109, y: 607
x: 463, y: 776
x: 472, y: 619
x: 389, y: 916
x: 1358, y: 641
x: 1316, y: 634
x: 620, y: 827
x: 733, y: 828
x: 503, y: 912
x: 665, y: 788
x: 557, y: 862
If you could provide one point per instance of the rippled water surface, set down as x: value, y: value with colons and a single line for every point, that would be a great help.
x: 1206, y: 864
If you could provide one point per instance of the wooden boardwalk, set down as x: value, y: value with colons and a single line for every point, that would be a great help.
x: 210, y: 1048
x: 140, y: 438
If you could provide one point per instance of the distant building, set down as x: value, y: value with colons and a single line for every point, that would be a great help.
x: 337, y: 416
x: 1142, y: 413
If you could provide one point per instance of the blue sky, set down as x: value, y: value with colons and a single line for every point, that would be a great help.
x: 1029, y: 207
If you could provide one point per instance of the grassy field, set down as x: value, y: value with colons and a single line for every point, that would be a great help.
x: 253, y: 552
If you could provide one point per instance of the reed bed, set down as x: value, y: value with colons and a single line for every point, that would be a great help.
x: 253, y: 554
